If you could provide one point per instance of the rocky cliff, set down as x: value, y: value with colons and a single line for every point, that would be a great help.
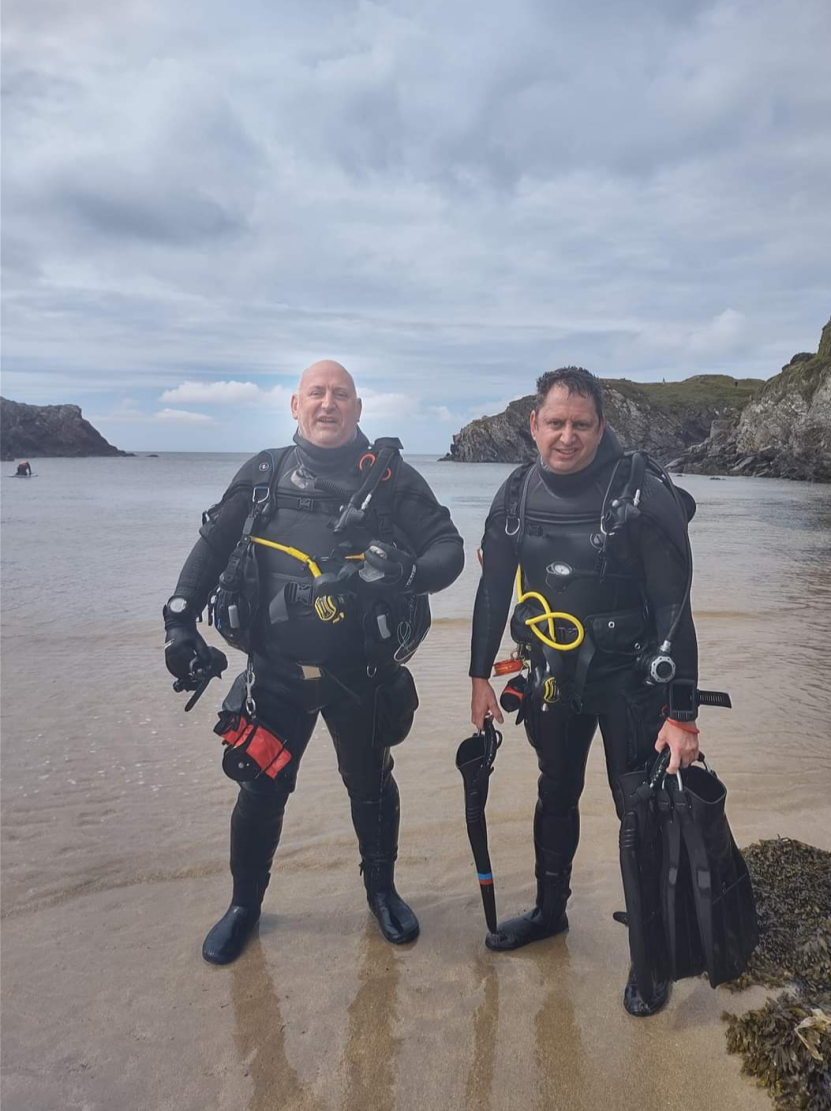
x: 784, y: 432
x: 32, y: 431
x: 662, y: 418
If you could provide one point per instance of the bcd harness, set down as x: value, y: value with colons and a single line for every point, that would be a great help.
x: 622, y: 625
x: 393, y: 629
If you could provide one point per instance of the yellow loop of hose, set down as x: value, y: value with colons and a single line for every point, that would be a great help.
x: 295, y: 553
x: 548, y: 617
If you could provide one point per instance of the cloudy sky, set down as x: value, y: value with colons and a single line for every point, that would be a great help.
x: 201, y: 199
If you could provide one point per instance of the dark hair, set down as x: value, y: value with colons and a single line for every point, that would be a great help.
x: 576, y: 380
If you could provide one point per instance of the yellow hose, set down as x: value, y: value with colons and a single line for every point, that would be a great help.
x: 548, y: 616
x: 325, y: 607
x: 295, y: 553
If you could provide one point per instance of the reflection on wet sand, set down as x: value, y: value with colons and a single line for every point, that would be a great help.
x: 259, y: 1037
x: 479, y: 1088
x: 558, y: 1045
x: 370, y: 1056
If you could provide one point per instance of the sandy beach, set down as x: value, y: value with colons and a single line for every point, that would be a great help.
x: 115, y: 822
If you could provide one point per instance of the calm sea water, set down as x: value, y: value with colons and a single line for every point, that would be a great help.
x: 115, y: 832
x: 91, y: 549
x: 94, y: 546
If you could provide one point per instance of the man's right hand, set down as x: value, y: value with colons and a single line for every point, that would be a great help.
x: 483, y: 703
x: 183, y: 645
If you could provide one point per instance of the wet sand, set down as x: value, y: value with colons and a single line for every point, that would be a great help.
x: 107, y: 1003
x: 115, y: 820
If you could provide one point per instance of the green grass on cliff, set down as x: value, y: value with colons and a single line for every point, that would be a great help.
x: 707, y: 390
x: 702, y: 392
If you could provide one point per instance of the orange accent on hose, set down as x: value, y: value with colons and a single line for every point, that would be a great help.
x: 507, y: 667
x: 369, y: 455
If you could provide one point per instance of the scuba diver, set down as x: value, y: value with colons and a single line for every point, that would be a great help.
x: 596, y: 541
x: 24, y: 469
x: 317, y: 563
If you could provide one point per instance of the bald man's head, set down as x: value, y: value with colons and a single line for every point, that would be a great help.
x: 326, y: 405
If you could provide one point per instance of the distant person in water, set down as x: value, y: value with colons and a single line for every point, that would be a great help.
x: 24, y: 469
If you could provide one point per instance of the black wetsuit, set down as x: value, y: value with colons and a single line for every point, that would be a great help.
x: 345, y: 694
x: 557, y: 543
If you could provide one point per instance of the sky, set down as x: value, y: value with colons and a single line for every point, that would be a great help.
x: 199, y: 200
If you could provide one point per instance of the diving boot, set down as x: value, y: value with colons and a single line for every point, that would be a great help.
x: 256, y: 824
x: 396, y: 920
x: 226, y: 940
x: 376, y: 824
x: 546, y: 919
x: 635, y: 1004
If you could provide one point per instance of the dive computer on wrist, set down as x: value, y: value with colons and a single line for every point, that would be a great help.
x: 177, y: 607
x: 683, y: 700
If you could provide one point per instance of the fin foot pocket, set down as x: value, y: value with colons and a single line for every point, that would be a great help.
x: 634, y: 1003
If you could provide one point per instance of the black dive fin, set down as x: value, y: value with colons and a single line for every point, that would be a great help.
x: 640, y: 866
x: 720, y: 886
x: 684, y: 951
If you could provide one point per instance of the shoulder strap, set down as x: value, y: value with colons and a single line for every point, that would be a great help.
x: 391, y: 443
x: 516, y: 491
x: 267, y: 467
x: 386, y: 448
x: 683, y: 497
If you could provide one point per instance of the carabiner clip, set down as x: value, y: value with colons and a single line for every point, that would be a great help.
x: 250, y: 704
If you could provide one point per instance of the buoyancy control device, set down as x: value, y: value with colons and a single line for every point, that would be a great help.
x: 255, y: 616
x: 590, y: 599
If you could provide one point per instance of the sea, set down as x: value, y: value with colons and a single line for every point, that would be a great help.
x: 115, y: 811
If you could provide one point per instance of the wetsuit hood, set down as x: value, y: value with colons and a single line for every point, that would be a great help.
x: 330, y: 460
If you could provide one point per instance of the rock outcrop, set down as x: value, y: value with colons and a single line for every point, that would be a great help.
x: 662, y: 418
x: 33, y: 431
x: 784, y: 432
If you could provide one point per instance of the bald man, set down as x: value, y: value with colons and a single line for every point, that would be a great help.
x: 292, y: 520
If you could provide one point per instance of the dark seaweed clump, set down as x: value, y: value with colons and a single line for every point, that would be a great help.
x: 792, y: 885
x: 786, y: 1044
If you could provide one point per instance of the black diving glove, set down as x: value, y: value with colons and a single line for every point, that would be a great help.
x: 182, y: 646
x: 387, y: 569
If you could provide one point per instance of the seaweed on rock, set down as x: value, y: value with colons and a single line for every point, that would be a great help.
x: 786, y: 1044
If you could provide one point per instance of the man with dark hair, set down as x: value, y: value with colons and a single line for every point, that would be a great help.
x: 575, y: 380
x: 600, y: 540
x: 337, y: 651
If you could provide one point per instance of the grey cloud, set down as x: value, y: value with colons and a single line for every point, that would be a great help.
x: 451, y: 196
x: 126, y: 210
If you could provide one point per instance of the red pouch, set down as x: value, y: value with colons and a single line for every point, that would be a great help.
x: 252, y: 750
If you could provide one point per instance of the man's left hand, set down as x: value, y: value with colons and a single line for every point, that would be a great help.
x: 683, y: 745
x: 397, y: 568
